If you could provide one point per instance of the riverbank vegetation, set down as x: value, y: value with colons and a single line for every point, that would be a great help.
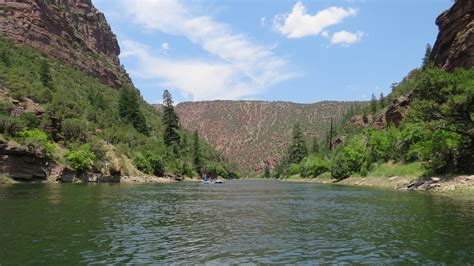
x: 435, y: 138
x: 70, y: 118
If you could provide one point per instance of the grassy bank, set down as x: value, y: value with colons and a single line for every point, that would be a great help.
x: 398, y: 176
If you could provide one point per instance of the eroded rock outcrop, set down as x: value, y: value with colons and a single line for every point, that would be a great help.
x: 454, y: 46
x: 397, y: 110
x: 21, y: 164
x: 73, y: 31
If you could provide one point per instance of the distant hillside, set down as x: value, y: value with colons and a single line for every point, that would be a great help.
x: 251, y: 133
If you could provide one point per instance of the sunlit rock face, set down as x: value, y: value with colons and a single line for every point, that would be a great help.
x: 454, y: 46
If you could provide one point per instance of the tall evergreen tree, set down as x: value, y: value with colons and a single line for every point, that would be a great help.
x: 129, y: 110
x: 315, y: 146
x: 427, y: 58
x: 5, y: 57
x: 266, y: 171
x: 331, y: 131
x: 373, y: 104
x: 45, y: 74
x: 170, y: 120
x: 297, y: 150
x: 382, y: 101
x: 197, y: 160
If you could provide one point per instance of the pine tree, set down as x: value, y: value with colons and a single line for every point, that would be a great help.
x: 382, y: 101
x: 427, y: 62
x: 45, y: 74
x: 315, y: 146
x: 330, y: 136
x: 297, y: 150
x: 129, y: 110
x: 373, y: 104
x: 170, y: 120
x: 5, y: 57
x: 197, y: 160
x: 266, y: 171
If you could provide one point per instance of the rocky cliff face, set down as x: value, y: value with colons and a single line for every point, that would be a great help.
x: 454, y: 46
x: 254, y: 133
x: 73, y: 31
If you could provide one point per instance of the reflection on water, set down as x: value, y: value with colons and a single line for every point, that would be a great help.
x: 239, y: 222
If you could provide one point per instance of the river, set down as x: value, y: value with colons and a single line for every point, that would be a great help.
x: 238, y: 222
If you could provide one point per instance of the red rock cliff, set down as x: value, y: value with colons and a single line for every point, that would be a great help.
x: 73, y: 31
x: 454, y: 46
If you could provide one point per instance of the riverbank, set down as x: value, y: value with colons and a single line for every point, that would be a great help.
x: 453, y: 184
x: 121, y: 179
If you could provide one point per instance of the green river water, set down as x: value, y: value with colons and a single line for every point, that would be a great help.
x: 238, y: 222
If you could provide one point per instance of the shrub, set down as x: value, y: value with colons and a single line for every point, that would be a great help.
x: 312, y: 167
x: 11, y: 125
x: 74, y: 129
x: 149, y: 163
x: 30, y: 120
x: 340, y: 167
x: 37, y: 141
x: 81, y: 159
x: 293, y: 169
x: 349, y: 159
x: 5, y: 107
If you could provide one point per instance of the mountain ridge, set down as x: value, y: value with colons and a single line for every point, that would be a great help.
x: 239, y: 128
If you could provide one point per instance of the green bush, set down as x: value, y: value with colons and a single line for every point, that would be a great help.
x: 149, y: 163
x: 340, y: 166
x: 11, y: 125
x: 74, y: 129
x: 30, y: 120
x: 312, y: 167
x: 350, y: 158
x: 37, y: 141
x: 81, y: 159
x: 5, y: 107
x: 293, y: 169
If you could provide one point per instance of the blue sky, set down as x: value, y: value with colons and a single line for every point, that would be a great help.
x: 301, y: 51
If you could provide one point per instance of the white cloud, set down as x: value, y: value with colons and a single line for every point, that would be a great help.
x: 165, y: 47
x: 325, y: 34
x: 263, y: 21
x: 299, y: 23
x: 346, y: 38
x: 238, y: 66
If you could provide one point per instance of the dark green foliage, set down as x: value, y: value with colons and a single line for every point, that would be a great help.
x: 30, y: 120
x: 45, y: 74
x: 129, y: 110
x: 211, y: 171
x: 445, y: 106
x: 170, y: 120
x: 315, y: 146
x: 5, y: 57
x: 11, y: 125
x: 350, y: 158
x: 373, y: 104
x: 81, y: 110
x: 149, y: 163
x: 427, y: 62
x: 382, y: 101
x: 74, y: 129
x: 266, y: 171
x: 197, y: 157
x: 312, y: 166
x: 297, y: 150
